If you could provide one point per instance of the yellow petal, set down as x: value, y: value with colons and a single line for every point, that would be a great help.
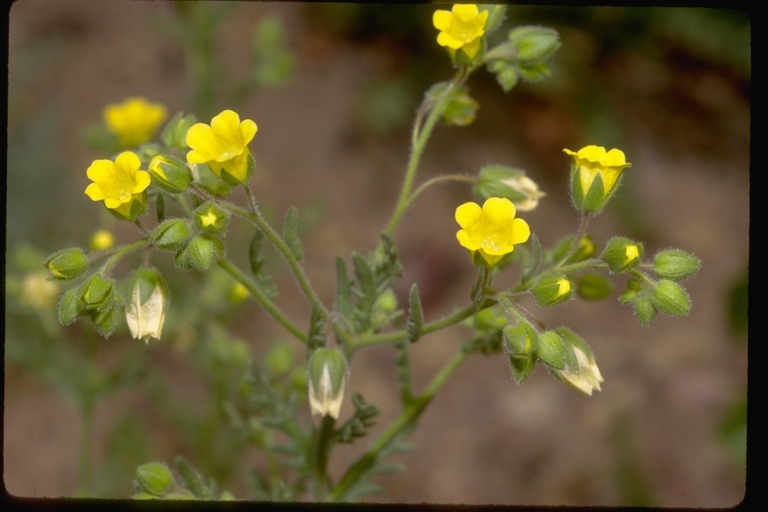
x: 442, y: 20
x: 472, y: 47
x: 202, y: 140
x: 248, y: 130
x: 100, y: 170
x: 465, y: 12
x: 94, y: 192
x: 142, y: 182
x: 498, y: 211
x: 468, y: 214
x: 521, y: 231
x: 445, y: 39
x: 615, y: 158
x: 128, y: 162
x: 466, y: 240
x: 592, y: 153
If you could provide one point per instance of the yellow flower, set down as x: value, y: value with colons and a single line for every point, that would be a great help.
x: 209, y: 219
x: 586, y: 378
x: 493, y: 229
x: 134, y: 121
x: 594, y: 160
x: 102, y: 239
x: 117, y: 183
x: 461, y: 27
x: 223, y: 145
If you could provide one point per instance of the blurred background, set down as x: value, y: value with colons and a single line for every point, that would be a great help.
x: 333, y: 89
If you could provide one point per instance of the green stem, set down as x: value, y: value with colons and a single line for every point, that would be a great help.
x: 581, y: 265
x: 392, y: 337
x: 258, y: 294
x: 405, y: 421
x: 281, y: 246
x: 576, y: 241
x: 320, y: 478
x: 120, y: 253
x: 419, y: 142
x: 438, y: 179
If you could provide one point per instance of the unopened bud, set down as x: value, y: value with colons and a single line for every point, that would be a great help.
x: 170, y: 174
x: 175, y: 132
x: 622, y: 254
x: 555, y: 352
x: 328, y: 375
x: 670, y: 297
x: 67, y: 264
x: 534, y: 44
x: 203, y: 252
x: 171, y: 235
x: 96, y: 293
x: 584, y: 376
x: 552, y: 289
x: 211, y: 218
x: 154, y: 478
x: 675, y: 264
x: 510, y: 183
x: 645, y: 311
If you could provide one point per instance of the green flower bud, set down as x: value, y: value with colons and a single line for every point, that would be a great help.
x: 105, y: 320
x: 675, y: 264
x: 280, y: 358
x: 489, y: 319
x: 622, y: 254
x: 522, y: 339
x: 170, y: 174
x: 96, y: 293
x: 154, y: 478
x: 328, y: 374
x: 586, y: 249
x: 384, y: 308
x: 67, y: 264
x: 510, y: 183
x: 175, y: 132
x: 645, y: 311
x: 554, y: 352
x: 521, y: 366
x: 147, y: 302
x: 204, y: 252
x: 594, y: 287
x: 211, y: 218
x: 631, y: 294
x: 461, y: 109
x: 506, y: 75
x: 551, y: 289
x: 70, y: 306
x: 171, y: 235
x: 534, y: 44
x: 670, y: 297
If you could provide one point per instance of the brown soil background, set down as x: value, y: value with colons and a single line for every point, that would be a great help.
x: 484, y: 439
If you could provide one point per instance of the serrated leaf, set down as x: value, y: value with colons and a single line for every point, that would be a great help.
x: 254, y: 251
x: 291, y: 233
x: 533, y: 261
x: 416, y: 314
x: 343, y: 289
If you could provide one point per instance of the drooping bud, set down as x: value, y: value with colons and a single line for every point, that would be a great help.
x: 147, y: 301
x: 328, y: 374
x: 554, y: 352
x: 96, y: 293
x: 585, y: 375
x: 622, y: 254
x: 170, y: 174
x: 511, y: 183
x: 67, y: 264
x: 534, y: 44
x: 522, y: 340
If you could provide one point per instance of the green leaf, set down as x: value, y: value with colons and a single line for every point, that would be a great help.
x: 416, y: 318
x: 291, y: 233
x: 533, y: 261
x: 343, y: 289
x: 69, y: 306
x: 254, y: 252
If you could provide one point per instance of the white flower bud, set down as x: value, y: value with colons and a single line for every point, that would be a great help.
x: 328, y: 375
x: 147, y: 300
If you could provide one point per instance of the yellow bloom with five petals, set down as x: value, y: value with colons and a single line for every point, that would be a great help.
x: 134, y: 121
x: 461, y: 27
x: 223, y: 145
x: 118, y: 183
x: 491, y: 230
